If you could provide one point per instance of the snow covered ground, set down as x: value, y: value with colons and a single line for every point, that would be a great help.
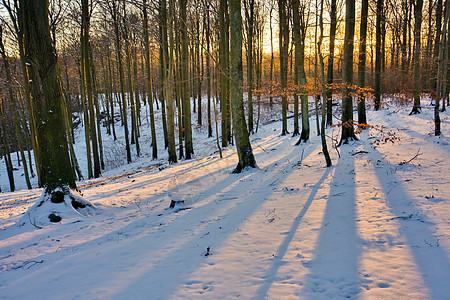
x: 376, y: 225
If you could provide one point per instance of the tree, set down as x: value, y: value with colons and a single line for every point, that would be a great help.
x: 243, y: 146
x: 441, y: 85
x: 300, y: 26
x: 249, y: 6
x: 114, y: 10
x: 57, y: 173
x: 163, y: 66
x: 86, y: 70
x: 347, y: 73
x: 362, y: 119
x: 333, y: 27
x: 149, y: 84
x: 224, y: 54
x: 417, y: 27
x: 378, y: 55
x: 323, y: 88
x: 186, y: 105
x: 284, y: 55
x: 169, y: 85
x: 208, y: 63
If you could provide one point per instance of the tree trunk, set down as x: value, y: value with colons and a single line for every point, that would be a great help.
x: 441, y: 92
x: 249, y: 13
x: 362, y: 119
x: 121, y: 79
x: 89, y: 86
x: 271, y: 57
x: 185, y: 82
x: 347, y: 73
x: 284, y: 56
x: 243, y: 146
x: 168, y: 88
x: 163, y: 55
x: 323, y: 88
x: 224, y: 71
x: 149, y: 84
x: 208, y: 66
x: 378, y: 56
x: 417, y: 28
x: 298, y: 55
x: 333, y: 27
x: 55, y: 168
x: 7, y: 155
x: 134, y: 130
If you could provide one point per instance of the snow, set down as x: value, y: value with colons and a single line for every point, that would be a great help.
x: 373, y: 226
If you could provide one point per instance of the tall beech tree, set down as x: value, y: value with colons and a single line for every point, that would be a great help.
x: 149, y: 83
x: 224, y: 59
x: 418, y: 5
x: 168, y: 55
x: 330, y: 79
x: 362, y: 119
x: 89, y: 81
x: 347, y: 74
x: 283, y: 38
x: 56, y: 171
x: 186, y: 105
x: 378, y: 54
x: 441, y: 84
x: 300, y: 26
x: 243, y: 146
x: 326, y: 154
x: 249, y: 8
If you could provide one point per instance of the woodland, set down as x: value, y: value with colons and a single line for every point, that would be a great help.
x: 131, y: 127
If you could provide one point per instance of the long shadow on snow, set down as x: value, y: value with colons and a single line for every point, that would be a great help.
x: 261, y: 293
x: 431, y: 260
x: 239, y: 214
x: 334, y: 266
x: 155, y: 209
x: 170, y: 245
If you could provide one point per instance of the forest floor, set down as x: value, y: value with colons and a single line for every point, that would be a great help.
x: 375, y: 225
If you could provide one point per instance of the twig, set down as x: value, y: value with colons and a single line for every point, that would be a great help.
x: 360, y: 152
x: 34, y: 224
x: 335, y: 146
x: 35, y: 262
x: 403, y: 217
x: 408, y: 161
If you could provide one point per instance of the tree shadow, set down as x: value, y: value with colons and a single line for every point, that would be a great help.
x: 138, y: 232
x: 334, y: 270
x: 261, y: 293
x: 430, y: 258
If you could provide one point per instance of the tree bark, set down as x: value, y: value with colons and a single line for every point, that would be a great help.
x: 347, y: 73
x: 417, y: 49
x: 55, y: 168
x: 243, y: 146
x: 378, y: 55
x: 333, y: 27
x: 362, y: 119
x: 189, y: 147
x: 149, y: 84
x: 284, y: 56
